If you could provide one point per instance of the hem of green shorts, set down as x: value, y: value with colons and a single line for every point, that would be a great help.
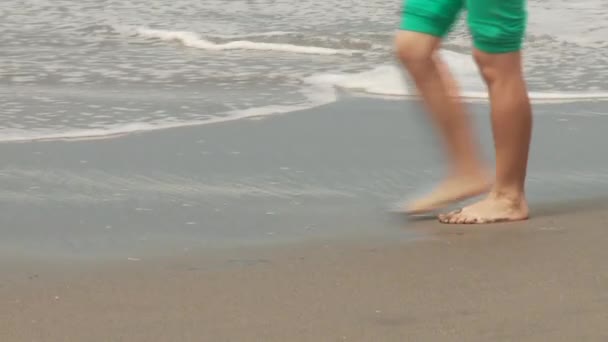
x: 498, y: 47
x: 422, y: 25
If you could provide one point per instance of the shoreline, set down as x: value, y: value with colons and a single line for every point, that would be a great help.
x: 331, y: 172
x: 471, y: 98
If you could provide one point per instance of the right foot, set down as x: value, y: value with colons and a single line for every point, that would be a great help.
x: 453, y: 189
x: 495, y: 208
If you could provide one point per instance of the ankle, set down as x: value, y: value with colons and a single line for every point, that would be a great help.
x: 513, y: 194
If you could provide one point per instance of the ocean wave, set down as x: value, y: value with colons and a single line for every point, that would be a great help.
x: 192, y: 39
x: 338, y: 42
x: 111, y: 131
x: 253, y: 34
x: 390, y: 80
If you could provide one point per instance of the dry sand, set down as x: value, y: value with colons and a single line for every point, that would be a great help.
x: 541, y: 280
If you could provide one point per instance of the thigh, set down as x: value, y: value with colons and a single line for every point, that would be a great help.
x: 497, y: 26
x: 432, y: 17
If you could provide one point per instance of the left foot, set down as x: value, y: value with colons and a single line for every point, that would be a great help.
x: 495, y: 208
x: 453, y: 189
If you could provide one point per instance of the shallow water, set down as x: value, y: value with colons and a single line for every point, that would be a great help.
x: 89, y: 68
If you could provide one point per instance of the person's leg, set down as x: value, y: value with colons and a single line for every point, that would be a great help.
x: 425, y: 23
x: 498, y: 27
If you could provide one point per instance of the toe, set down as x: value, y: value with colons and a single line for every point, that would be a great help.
x: 458, y: 217
x: 445, y: 218
x: 454, y: 219
x: 471, y: 220
x: 462, y: 219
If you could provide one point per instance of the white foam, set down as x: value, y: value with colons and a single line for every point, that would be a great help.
x: 314, y: 96
x: 390, y: 80
x: 382, y: 80
x: 253, y: 34
x: 18, y: 135
x: 191, y: 39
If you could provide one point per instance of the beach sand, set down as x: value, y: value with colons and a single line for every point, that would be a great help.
x: 277, y: 230
x: 542, y: 280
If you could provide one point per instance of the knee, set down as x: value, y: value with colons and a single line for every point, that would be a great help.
x: 415, y: 54
x: 487, y: 65
x: 484, y: 65
x: 497, y: 66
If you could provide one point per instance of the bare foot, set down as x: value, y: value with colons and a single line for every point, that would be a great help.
x: 453, y: 189
x: 495, y: 208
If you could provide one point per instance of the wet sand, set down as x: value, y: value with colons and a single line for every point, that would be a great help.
x: 542, y: 280
x: 327, y: 172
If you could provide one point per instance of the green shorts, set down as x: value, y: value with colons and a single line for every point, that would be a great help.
x: 497, y: 26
